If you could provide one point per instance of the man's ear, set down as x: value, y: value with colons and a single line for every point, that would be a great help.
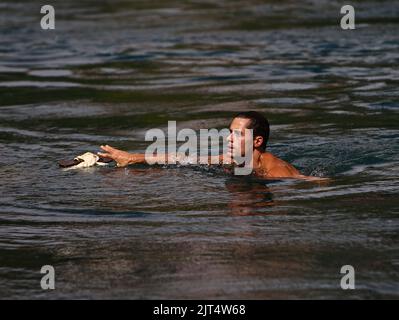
x: 258, y: 140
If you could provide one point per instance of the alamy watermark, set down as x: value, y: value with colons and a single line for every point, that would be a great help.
x: 348, y: 280
x: 204, y: 148
x: 47, y: 22
x: 48, y: 280
x: 348, y: 20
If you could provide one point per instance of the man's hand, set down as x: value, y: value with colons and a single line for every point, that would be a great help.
x: 122, y: 158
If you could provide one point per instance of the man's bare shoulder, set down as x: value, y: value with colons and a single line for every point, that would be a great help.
x: 276, y: 167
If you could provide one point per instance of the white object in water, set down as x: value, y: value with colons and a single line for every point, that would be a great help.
x: 89, y: 160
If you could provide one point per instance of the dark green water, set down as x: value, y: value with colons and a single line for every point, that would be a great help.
x: 111, y: 71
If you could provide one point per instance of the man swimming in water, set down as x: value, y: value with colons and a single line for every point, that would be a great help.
x: 264, y: 163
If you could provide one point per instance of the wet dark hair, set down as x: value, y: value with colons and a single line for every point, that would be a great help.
x: 258, y: 123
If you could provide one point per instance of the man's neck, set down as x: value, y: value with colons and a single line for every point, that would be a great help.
x: 256, y: 159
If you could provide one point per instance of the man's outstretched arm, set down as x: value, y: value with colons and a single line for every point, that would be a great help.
x: 123, y: 158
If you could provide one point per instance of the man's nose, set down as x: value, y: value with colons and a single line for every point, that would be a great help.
x: 229, y: 138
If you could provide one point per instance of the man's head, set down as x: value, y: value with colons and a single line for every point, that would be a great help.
x: 248, y: 120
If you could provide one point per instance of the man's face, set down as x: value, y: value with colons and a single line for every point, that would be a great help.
x: 236, y: 138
